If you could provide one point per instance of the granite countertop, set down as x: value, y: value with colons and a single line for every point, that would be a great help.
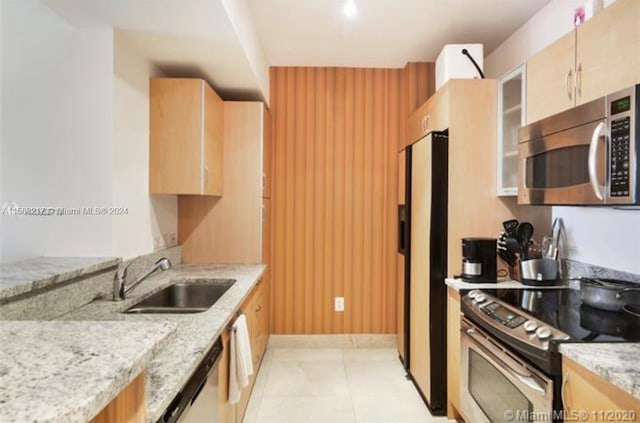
x: 25, y: 276
x: 69, y: 371
x: 617, y: 363
x: 196, y: 333
x: 459, y: 284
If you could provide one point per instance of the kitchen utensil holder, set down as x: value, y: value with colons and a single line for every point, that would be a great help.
x: 539, y: 272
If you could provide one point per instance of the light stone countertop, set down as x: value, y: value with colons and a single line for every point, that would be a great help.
x: 66, y: 372
x: 22, y: 277
x: 196, y: 333
x: 617, y: 363
x: 459, y: 284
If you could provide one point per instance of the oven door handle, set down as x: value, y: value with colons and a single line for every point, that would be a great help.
x: 593, y: 159
x: 527, y: 379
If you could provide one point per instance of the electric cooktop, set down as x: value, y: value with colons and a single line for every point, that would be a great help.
x: 562, y: 309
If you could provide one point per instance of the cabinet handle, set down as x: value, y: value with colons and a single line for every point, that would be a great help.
x: 206, y: 175
x: 567, y: 84
x: 579, y: 81
x: 258, y: 309
x: 425, y: 123
x: 565, y: 382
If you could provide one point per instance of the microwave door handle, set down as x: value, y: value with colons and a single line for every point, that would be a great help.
x: 527, y: 380
x: 593, y: 160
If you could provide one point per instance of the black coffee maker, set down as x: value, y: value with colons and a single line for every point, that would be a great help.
x: 479, y: 259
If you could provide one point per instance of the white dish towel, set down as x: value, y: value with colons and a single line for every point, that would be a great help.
x: 240, y: 362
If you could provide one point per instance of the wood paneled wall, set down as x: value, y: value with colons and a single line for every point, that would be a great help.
x: 420, y: 84
x: 336, y: 133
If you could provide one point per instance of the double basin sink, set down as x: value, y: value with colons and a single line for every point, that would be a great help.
x: 183, y: 297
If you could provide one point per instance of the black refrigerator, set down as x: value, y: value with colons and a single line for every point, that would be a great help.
x: 422, y: 232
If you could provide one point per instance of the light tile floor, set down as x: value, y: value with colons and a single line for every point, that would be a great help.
x: 361, y: 385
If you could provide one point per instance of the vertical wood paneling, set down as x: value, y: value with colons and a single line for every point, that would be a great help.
x: 336, y: 136
x: 420, y: 84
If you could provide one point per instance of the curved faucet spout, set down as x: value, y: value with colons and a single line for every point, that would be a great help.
x: 120, y: 287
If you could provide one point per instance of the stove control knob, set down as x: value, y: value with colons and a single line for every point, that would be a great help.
x: 473, y: 294
x: 480, y: 298
x: 530, y: 326
x: 543, y: 333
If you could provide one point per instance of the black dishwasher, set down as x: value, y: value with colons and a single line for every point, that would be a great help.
x: 197, y: 401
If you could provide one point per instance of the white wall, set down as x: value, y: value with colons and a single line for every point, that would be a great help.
x: 75, y: 133
x: 604, y: 237
x: 56, y: 131
x: 149, y: 217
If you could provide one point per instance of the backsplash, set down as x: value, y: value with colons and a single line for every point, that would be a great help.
x: 575, y: 269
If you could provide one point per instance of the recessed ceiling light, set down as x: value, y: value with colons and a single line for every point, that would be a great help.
x: 350, y: 10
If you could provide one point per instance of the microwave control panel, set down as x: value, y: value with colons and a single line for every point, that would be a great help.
x: 619, y: 157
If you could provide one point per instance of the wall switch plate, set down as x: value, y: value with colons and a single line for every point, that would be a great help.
x: 339, y: 304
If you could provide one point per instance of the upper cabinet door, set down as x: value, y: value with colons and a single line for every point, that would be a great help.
x: 608, y: 47
x: 186, y: 137
x: 550, y: 79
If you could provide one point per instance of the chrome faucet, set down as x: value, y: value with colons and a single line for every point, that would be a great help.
x: 119, y: 280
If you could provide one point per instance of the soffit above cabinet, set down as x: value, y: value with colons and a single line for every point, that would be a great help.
x: 184, y: 38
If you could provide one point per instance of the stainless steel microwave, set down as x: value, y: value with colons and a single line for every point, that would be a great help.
x: 587, y: 155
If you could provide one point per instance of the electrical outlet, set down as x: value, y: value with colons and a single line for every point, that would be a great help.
x: 339, y: 304
x: 170, y: 240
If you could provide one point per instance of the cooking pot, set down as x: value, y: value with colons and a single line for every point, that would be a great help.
x: 608, y: 294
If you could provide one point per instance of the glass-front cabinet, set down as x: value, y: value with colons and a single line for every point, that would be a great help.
x: 511, y: 116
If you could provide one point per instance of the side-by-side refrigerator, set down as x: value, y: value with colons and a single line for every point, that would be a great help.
x: 422, y: 266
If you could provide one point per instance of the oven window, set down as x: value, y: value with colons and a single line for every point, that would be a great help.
x: 559, y: 168
x: 494, y: 393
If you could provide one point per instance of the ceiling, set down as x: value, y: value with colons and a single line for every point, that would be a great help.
x: 231, y: 43
x: 384, y: 33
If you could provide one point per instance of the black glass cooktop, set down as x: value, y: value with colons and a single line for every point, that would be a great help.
x: 562, y: 309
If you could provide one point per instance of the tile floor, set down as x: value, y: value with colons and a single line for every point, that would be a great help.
x: 297, y: 385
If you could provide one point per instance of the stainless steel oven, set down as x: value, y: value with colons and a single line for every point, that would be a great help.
x: 496, y: 385
x: 587, y: 155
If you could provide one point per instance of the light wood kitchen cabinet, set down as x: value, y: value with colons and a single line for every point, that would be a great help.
x: 128, y: 407
x: 607, y: 58
x: 433, y: 115
x: 599, y: 57
x: 186, y: 138
x: 584, y: 391
x: 419, y: 332
x: 550, y: 79
x: 454, y: 315
x: 229, y: 229
x: 248, y: 310
x: 256, y: 312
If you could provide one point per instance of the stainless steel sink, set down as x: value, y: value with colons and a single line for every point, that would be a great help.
x: 182, y: 297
